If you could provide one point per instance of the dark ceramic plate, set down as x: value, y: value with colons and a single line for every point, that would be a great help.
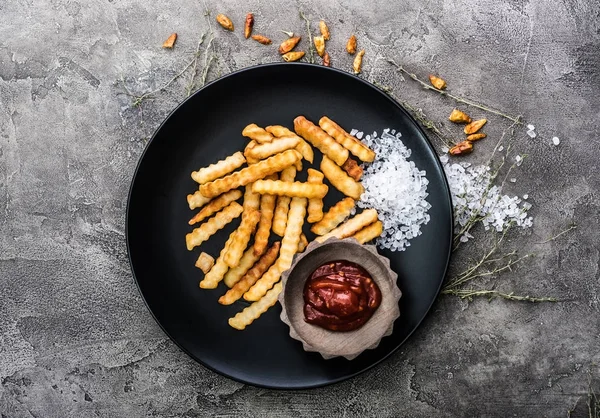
x: 207, y: 127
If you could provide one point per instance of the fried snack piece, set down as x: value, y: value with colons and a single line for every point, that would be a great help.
x: 295, y: 189
x: 236, y: 273
x: 252, y: 144
x: 462, y: 148
x: 303, y: 243
x: 320, y: 139
x: 210, y: 227
x: 251, y: 198
x: 357, y: 64
x: 475, y: 126
x: 476, y: 137
x: 289, y: 44
x: 458, y: 116
x: 170, y: 42
x: 340, y: 180
x: 326, y: 60
x: 319, y: 44
x: 292, y: 56
x: 267, y: 210
x: 352, y: 144
x: 369, y: 232
x: 257, y: 133
x: 303, y: 147
x: 251, y: 173
x: 251, y: 276
x: 262, y: 151
x: 242, y: 319
x: 197, y: 200
x: 437, y: 82
x: 242, y: 237
x: 215, y: 275
x: 335, y: 216
x: 262, y: 39
x: 216, y: 205
x: 248, y: 25
x: 283, y: 204
x: 225, y: 22
x: 351, y: 226
x: 353, y: 169
x: 205, y: 262
x: 315, y: 205
x: 214, y: 171
x: 351, y: 45
x: 324, y: 30
x: 289, y: 247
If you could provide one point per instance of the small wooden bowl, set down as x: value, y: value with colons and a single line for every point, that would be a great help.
x: 328, y: 343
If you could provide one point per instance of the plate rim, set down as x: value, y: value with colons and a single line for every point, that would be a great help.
x: 321, y: 68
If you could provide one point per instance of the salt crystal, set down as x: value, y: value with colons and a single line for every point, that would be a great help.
x: 525, y: 196
x: 531, y: 127
x: 555, y: 140
x: 501, y: 148
x: 353, y: 132
x: 359, y: 135
x: 531, y: 134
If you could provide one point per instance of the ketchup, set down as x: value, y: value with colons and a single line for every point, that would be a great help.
x: 340, y: 296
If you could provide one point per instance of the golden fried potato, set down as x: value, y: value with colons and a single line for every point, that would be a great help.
x: 292, y: 189
x: 223, y: 167
x: 335, y: 216
x: 303, y: 243
x: 283, y: 203
x: 251, y: 173
x: 262, y: 151
x: 351, y: 226
x: 369, y: 232
x: 215, y: 275
x: 320, y: 139
x: 458, y: 116
x: 251, y: 276
x: 475, y: 126
x: 197, y: 200
x: 289, y: 247
x: 242, y: 319
x: 244, y: 232
x: 216, y: 205
x: 236, y: 273
x: 352, y: 144
x: 205, y: 262
x: 340, y: 180
x: 257, y: 133
x: 267, y: 210
x: 210, y: 227
x: 303, y: 147
x: 315, y: 205
x: 353, y: 169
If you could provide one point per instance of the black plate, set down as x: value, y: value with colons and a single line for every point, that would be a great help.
x: 207, y: 127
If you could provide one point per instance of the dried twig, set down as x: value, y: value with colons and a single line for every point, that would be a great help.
x: 469, y: 294
x: 311, y: 48
x: 574, y: 226
x: 468, y: 102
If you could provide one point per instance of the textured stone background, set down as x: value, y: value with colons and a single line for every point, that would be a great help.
x: 75, y: 337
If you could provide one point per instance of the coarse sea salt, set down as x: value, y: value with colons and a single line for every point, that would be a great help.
x: 396, y: 188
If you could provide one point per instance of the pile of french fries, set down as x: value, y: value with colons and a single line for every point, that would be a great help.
x: 275, y: 203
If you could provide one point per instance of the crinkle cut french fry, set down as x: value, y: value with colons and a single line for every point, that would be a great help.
x: 197, y: 200
x: 210, y: 227
x: 353, y: 169
x: 236, y: 273
x: 251, y: 276
x: 340, y: 180
x: 283, y: 204
x: 242, y: 319
x: 205, y: 262
x: 303, y: 243
x: 334, y: 216
x: 262, y: 151
x: 292, y: 189
x: 320, y: 139
x: 289, y: 247
x: 351, y: 226
x: 267, y: 210
x: 354, y: 145
x: 369, y: 232
x: 214, y: 171
x: 257, y: 133
x: 251, y: 173
x: 315, y: 205
x: 236, y: 249
x: 216, y: 205
x: 215, y: 275
x: 303, y: 147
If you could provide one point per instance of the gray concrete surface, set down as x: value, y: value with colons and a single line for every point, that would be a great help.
x: 75, y: 337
